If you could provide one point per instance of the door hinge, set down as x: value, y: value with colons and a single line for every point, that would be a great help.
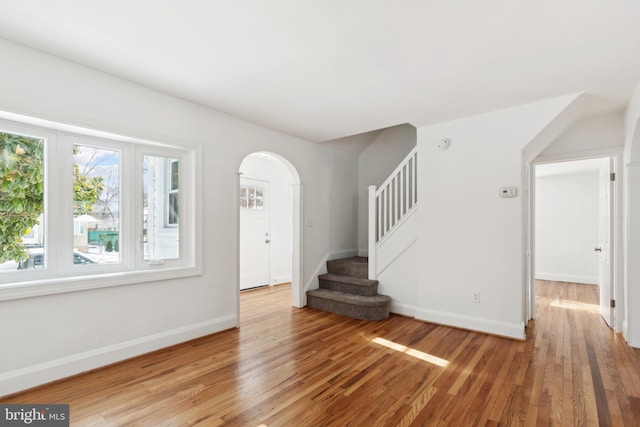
x: 612, y: 176
x: 613, y: 303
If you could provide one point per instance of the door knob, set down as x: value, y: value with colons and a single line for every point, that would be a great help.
x: 598, y: 249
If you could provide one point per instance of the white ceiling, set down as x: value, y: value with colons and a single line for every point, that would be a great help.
x: 326, y: 69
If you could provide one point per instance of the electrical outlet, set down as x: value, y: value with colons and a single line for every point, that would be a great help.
x: 475, y: 296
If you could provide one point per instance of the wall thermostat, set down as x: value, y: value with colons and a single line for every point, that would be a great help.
x: 507, y: 192
x: 443, y: 144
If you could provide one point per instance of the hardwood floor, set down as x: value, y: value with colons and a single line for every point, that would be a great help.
x: 301, y: 367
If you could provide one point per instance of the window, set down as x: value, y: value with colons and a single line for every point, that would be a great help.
x: 96, y: 196
x: 86, y: 206
x: 160, y: 204
x: 172, y: 209
x: 252, y: 197
x: 22, y: 185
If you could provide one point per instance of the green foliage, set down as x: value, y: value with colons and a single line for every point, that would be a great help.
x: 21, y: 192
x: 85, y: 191
x: 109, y: 247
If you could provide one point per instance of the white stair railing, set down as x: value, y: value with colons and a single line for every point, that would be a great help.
x: 391, y: 203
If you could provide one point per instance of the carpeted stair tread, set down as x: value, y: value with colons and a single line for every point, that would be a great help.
x: 353, y: 266
x: 348, y: 284
x: 371, y: 301
x: 348, y: 279
x: 355, y: 306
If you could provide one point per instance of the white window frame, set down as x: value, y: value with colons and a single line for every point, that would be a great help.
x: 170, y: 191
x: 60, y: 275
x: 124, y: 172
x: 185, y: 206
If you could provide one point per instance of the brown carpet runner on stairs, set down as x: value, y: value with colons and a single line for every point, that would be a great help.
x: 346, y: 290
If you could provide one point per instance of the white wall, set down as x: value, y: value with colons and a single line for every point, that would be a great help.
x: 470, y: 239
x: 566, y: 216
x: 398, y: 266
x: 631, y: 327
x: 279, y: 178
x: 589, y: 134
x: 375, y: 164
x: 53, y: 336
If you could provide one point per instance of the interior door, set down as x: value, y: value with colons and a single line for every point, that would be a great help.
x: 254, y: 233
x: 604, y: 245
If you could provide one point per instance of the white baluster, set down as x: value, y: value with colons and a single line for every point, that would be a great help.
x: 415, y: 178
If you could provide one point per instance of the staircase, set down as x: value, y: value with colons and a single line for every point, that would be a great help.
x: 389, y: 207
x: 346, y: 290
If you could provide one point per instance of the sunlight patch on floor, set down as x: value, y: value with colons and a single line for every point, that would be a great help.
x: 412, y: 352
x: 572, y: 305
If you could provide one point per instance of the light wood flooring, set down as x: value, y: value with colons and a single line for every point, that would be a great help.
x: 301, y: 367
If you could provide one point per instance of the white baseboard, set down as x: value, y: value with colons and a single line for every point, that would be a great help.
x: 363, y: 252
x: 42, y: 373
x: 625, y: 330
x: 572, y: 278
x: 479, y: 324
x: 282, y: 279
x: 403, y: 309
x: 313, y: 282
x: 627, y: 338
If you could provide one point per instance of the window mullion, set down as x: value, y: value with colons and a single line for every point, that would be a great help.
x: 129, y: 208
x: 59, y: 206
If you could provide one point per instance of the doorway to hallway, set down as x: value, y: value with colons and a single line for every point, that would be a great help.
x: 574, y: 223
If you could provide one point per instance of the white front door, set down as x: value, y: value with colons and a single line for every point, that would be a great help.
x: 604, y: 244
x: 254, y: 233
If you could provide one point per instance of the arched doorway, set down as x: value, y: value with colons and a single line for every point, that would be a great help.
x: 268, y: 183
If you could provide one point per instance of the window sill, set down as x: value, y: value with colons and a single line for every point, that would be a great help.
x: 52, y: 286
